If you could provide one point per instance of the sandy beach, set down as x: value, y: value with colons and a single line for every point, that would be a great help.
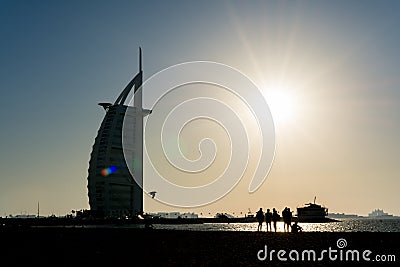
x: 60, y: 246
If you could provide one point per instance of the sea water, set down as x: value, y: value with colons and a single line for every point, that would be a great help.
x: 345, y: 225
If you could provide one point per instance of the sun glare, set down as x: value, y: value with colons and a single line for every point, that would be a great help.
x: 281, y: 104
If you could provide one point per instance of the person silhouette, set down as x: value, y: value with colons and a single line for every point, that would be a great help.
x: 260, y: 219
x: 268, y: 219
x: 275, y: 217
x: 284, y: 216
x: 296, y: 228
x: 288, y: 219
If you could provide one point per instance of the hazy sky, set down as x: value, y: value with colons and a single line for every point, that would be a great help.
x: 336, y: 65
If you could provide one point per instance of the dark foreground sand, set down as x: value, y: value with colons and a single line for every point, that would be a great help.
x: 139, y: 247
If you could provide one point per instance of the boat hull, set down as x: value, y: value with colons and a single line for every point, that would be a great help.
x: 312, y: 213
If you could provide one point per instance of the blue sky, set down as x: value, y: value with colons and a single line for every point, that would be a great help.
x: 340, y: 60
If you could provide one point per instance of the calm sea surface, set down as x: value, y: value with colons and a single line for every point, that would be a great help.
x: 345, y: 225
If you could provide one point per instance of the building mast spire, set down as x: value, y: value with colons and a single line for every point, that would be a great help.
x: 140, y: 59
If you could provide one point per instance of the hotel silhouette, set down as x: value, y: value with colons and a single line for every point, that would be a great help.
x: 112, y: 190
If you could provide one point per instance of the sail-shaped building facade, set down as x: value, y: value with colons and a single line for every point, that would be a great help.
x: 114, y: 189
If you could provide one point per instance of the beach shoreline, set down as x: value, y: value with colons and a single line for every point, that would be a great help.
x: 77, y: 246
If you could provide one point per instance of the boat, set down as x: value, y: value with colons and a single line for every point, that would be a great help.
x: 312, y: 212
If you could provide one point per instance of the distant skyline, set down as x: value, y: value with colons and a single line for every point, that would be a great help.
x: 329, y: 71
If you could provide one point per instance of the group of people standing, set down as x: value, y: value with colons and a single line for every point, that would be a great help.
x: 273, y: 217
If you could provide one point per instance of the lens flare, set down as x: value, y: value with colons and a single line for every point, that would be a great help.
x: 107, y: 171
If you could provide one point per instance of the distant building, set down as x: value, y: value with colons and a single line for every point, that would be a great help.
x: 175, y: 215
x: 224, y: 215
x: 342, y: 215
x: 377, y: 213
x: 112, y: 190
x: 24, y: 216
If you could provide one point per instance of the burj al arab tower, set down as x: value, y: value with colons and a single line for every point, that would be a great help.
x: 114, y: 190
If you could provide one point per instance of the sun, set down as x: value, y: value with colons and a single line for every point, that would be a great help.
x: 282, y: 105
